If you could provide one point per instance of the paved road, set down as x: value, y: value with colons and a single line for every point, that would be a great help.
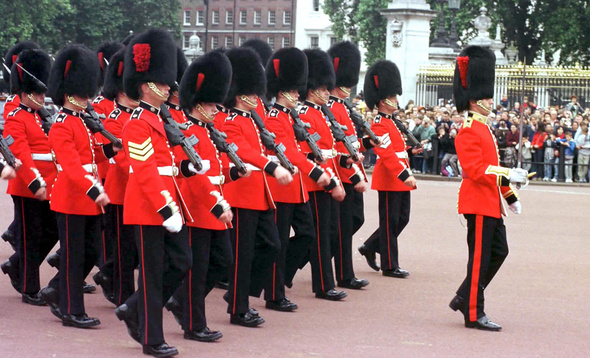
x: 540, y: 296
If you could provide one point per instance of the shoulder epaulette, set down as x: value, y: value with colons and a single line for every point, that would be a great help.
x: 14, y: 112
x: 61, y: 118
x: 115, y: 113
x: 303, y: 109
x: 467, y: 122
x: 136, y: 113
x: 10, y: 98
x: 273, y: 113
x: 97, y: 100
x: 377, y: 119
x: 231, y: 116
x: 331, y: 103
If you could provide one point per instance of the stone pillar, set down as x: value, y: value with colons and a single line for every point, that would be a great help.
x: 408, y: 37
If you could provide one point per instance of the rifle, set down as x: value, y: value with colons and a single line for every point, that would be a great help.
x: 340, y: 136
x: 94, y: 123
x: 4, y: 150
x: 176, y: 137
x: 411, y: 139
x: 360, y: 123
x: 268, y: 139
x: 46, y: 119
x: 301, y: 134
x: 222, y: 145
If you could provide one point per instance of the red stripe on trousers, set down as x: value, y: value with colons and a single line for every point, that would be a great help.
x: 318, y: 232
x: 236, y: 269
x: 387, y: 216
x: 68, y: 258
x: 22, y: 203
x: 119, y: 251
x: 475, y: 268
x: 190, y: 283
x: 144, y: 294
x: 274, y: 271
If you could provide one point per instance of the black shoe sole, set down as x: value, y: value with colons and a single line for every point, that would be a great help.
x: 67, y: 323
x: 159, y: 355
x: 210, y: 338
x: 39, y: 302
x: 281, y: 309
x: 352, y: 287
x: 331, y: 298
x: 251, y: 324
x: 481, y: 328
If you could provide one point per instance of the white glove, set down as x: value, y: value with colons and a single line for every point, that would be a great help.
x: 173, y: 223
x: 516, y: 207
x: 518, y: 175
x: 206, y: 166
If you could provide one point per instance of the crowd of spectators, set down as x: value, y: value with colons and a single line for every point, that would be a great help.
x: 545, y: 132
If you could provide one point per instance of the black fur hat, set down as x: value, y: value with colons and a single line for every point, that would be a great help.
x: 381, y: 81
x: 150, y: 57
x: 128, y: 39
x: 287, y: 70
x: 346, y: 59
x: 262, y: 48
x: 247, y: 75
x: 104, y: 52
x: 206, y: 80
x: 74, y: 72
x: 36, y: 63
x: 11, y: 56
x: 182, y: 66
x: 113, y: 77
x: 321, y: 71
x: 475, y: 73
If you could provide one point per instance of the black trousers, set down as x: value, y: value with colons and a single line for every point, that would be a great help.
x: 351, y: 218
x: 122, y: 263
x: 394, y: 216
x: 164, y: 260
x: 488, y: 248
x: 104, y: 243
x: 212, y: 257
x: 38, y: 235
x: 293, y: 251
x: 77, y: 236
x: 255, y: 241
x: 324, y: 211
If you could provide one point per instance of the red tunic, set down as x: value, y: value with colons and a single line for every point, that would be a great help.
x: 24, y: 125
x: 392, y: 167
x: 220, y: 117
x: 77, y: 153
x: 105, y: 107
x: 10, y: 105
x: 118, y: 173
x: 251, y: 192
x: 312, y: 114
x: 176, y: 113
x: 280, y: 123
x: 484, y: 181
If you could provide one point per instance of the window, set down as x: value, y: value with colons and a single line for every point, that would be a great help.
x: 214, y: 42
x: 187, y: 17
x: 287, y: 17
x: 215, y: 17
x: 229, y: 41
x: 229, y: 17
x: 271, y: 42
x: 257, y: 17
x: 200, y: 17
x: 316, y: 5
x: 185, y: 41
x: 241, y: 40
x: 271, y: 17
x: 315, y: 42
x: 286, y: 42
x: 333, y: 40
x: 243, y: 17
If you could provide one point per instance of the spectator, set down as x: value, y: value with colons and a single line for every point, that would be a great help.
x: 583, y: 143
x: 538, y: 153
x: 500, y: 133
x: 445, y: 120
x: 550, y: 158
x: 512, y: 138
x: 424, y: 134
x: 447, y: 143
x: 527, y: 155
x: 504, y: 101
x: 516, y: 109
x: 574, y: 106
x: 568, y: 153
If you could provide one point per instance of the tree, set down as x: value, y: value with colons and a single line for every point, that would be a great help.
x: 372, y: 28
x: 342, y: 15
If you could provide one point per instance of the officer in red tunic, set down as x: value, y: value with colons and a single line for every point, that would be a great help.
x: 205, y: 83
x: 116, y: 274
x: 346, y: 59
x: 484, y: 184
x: 11, y: 103
x: 77, y: 196
x: 392, y: 176
x: 152, y: 199
x: 286, y: 75
x: 323, y: 200
x: 254, y: 234
x: 32, y: 187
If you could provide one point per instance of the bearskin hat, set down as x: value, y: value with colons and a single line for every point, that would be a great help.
x: 74, y: 72
x: 262, y: 48
x: 12, y: 55
x: 113, y: 77
x: 36, y: 63
x: 287, y: 70
x: 321, y: 71
x: 150, y: 57
x: 128, y: 38
x: 247, y: 75
x: 346, y: 59
x: 206, y: 80
x: 381, y: 81
x: 181, y: 68
x: 475, y: 72
x: 104, y: 52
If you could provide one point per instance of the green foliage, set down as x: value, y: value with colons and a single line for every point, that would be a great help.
x: 372, y: 28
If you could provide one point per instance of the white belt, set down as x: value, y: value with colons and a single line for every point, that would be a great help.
x: 42, y: 157
x: 217, y: 180
x: 402, y: 155
x: 168, y: 171
x: 112, y: 161
x: 329, y: 153
x: 248, y: 166
x: 90, y: 168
